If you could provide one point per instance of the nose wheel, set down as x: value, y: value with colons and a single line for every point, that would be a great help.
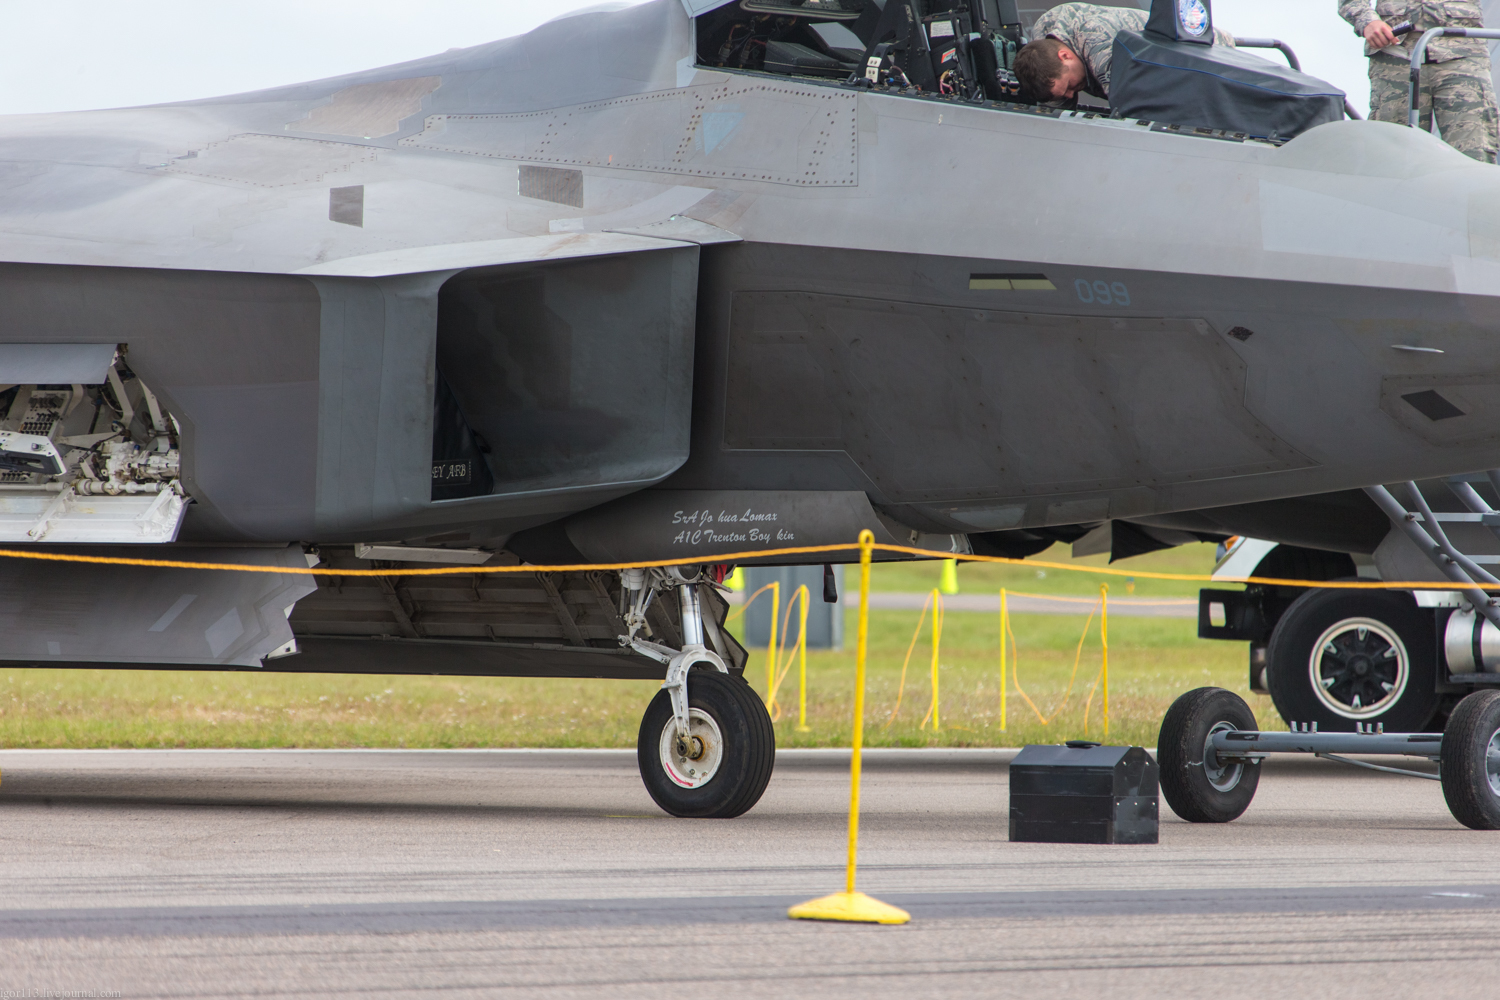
x: 721, y: 766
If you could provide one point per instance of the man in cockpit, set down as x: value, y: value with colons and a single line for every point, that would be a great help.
x: 1071, y: 50
x: 1455, y: 80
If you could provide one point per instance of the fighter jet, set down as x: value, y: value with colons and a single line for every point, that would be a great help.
x: 679, y: 280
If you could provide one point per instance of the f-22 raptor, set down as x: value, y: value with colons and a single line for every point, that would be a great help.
x: 671, y: 281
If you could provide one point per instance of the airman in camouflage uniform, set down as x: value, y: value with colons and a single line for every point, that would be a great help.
x: 1090, y: 30
x: 1455, y: 80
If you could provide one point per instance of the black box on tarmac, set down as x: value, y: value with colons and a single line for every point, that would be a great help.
x: 1083, y: 794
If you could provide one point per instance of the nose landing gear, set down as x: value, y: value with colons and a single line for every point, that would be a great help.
x: 706, y: 746
x: 722, y: 768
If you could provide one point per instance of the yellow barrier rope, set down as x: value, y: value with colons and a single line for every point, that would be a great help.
x: 1072, y: 678
x: 746, y: 606
x: 732, y: 557
x: 781, y: 672
x: 937, y: 638
x: 1104, y: 648
x: 774, y: 674
x: 1103, y: 675
x: 901, y: 686
x: 802, y: 726
x: 1004, y: 628
x: 775, y: 586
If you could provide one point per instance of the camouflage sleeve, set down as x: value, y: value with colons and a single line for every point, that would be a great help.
x: 1050, y: 24
x: 1222, y: 37
x: 1359, y: 13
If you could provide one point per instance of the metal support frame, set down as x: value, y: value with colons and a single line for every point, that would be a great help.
x: 1291, y: 59
x: 571, y: 634
x: 1433, y: 542
x: 1270, y: 43
x: 1239, y: 745
x: 1380, y: 767
x: 1419, y: 55
x: 639, y: 586
x: 398, y: 608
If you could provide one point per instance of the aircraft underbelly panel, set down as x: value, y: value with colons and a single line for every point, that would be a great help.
x: 935, y: 402
x: 61, y: 613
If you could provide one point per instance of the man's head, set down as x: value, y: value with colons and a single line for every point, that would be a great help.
x: 1049, y: 70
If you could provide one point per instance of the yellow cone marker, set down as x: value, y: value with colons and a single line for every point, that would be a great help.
x: 849, y: 905
x: 948, y: 580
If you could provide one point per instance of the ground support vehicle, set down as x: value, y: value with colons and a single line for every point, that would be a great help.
x: 1400, y: 658
x: 1210, y: 752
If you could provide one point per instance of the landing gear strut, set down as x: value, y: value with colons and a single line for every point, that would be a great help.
x: 706, y: 746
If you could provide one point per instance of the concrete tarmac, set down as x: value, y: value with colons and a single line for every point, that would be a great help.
x: 552, y: 874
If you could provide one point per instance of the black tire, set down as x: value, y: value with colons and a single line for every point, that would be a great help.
x: 1471, y: 761
x: 1194, y: 784
x: 747, y: 748
x: 1382, y: 667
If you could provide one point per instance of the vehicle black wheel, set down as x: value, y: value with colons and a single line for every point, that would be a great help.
x: 1197, y: 786
x: 728, y: 764
x: 1471, y: 761
x: 1341, y: 657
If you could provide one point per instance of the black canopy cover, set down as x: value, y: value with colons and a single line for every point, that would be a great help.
x: 1214, y: 86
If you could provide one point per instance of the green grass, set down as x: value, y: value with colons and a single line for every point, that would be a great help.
x: 990, y: 577
x: 1152, y: 660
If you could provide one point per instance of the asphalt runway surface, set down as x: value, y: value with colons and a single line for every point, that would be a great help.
x: 552, y: 874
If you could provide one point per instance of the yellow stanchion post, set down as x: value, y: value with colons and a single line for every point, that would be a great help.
x: 850, y: 905
x: 948, y: 581
x: 1004, y: 639
x: 775, y: 586
x: 806, y: 596
x: 937, y: 638
x: 1104, y: 642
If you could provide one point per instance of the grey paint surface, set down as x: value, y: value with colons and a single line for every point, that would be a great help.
x: 32, y: 363
x: 550, y: 872
x: 798, y: 168
x: 1225, y: 335
x: 68, y: 613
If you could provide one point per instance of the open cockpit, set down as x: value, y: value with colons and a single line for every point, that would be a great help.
x: 965, y: 50
x: 954, y: 47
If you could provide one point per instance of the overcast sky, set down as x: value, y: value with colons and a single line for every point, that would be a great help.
x: 73, y: 54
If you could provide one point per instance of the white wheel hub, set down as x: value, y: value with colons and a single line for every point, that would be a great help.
x: 1224, y: 777
x: 1359, y: 668
x: 692, y: 762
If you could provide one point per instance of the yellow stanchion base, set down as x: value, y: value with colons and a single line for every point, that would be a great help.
x: 854, y: 907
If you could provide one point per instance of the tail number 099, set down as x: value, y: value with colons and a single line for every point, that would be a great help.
x: 1102, y: 293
